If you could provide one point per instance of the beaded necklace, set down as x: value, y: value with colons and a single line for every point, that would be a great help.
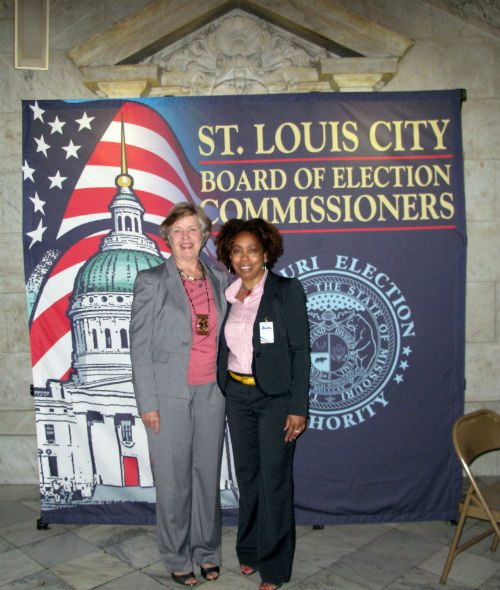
x: 201, y: 318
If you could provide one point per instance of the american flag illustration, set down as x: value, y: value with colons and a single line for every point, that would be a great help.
x: 71, y: 157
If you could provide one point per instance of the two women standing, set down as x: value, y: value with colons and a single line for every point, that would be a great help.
x: 178, y: 317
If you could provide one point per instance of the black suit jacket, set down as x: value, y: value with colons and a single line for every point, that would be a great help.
x: 282, y: 366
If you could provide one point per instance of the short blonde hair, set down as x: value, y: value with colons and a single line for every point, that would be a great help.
x: 186, y: 209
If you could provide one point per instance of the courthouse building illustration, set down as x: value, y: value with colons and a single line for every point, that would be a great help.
x: 89, y: 431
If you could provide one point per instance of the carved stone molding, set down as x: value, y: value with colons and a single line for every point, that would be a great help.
x: 239, y: 54
x: 184, y: 47
x: 358, y: 74
x: 120, y: 81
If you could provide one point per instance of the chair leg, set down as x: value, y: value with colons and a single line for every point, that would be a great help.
x: 494, y: 544
x: 453, y: 549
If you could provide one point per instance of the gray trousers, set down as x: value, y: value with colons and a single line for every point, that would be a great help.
x: 186, y: 457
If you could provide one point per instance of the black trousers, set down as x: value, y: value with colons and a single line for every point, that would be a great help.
x: 263, y: 462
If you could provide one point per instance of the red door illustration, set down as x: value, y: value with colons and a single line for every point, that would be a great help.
x: 131, y: 471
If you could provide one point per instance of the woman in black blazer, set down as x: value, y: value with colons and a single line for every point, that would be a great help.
x: 263, y: 369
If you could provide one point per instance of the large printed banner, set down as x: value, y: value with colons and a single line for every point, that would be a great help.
x: 367, y: 190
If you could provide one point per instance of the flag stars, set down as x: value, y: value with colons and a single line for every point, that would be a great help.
x: 71, y: 150
x: 41, y: 145
x: 56, y: 180
x: 84, y: 122
x: 37, y: 111
x: 57, y: 126
x: 38, y: 204
x: 37, y: 234
x: 28, y: 172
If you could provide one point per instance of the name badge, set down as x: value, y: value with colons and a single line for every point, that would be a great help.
x: 266, y: 332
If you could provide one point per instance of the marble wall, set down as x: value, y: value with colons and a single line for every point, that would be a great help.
x: 448, y: 53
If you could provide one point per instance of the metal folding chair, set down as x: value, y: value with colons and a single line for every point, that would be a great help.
x: 475, y: 434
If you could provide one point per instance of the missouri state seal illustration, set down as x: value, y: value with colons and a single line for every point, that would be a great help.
x: 358, y: 320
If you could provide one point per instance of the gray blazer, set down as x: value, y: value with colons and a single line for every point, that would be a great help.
x: 160, y: 332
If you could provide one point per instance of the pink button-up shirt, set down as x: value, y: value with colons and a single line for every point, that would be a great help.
x: 239, y: 326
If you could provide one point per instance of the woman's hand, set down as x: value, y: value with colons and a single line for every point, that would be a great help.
x: 294, y: 426
x: 152, y: 420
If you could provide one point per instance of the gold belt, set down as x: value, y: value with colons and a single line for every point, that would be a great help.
x: 246, y: 380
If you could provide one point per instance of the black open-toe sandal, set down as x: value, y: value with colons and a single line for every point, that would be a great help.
x: 182, y: 579
x: 249, y: 570
x: 208, y: 570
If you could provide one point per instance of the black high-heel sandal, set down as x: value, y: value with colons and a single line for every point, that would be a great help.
x: 208, y: 570
x: 182, y: 579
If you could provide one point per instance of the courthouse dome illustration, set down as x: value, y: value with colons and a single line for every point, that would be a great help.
x: 125, y: 251
x: 100, y: 305
x: 113, y: 271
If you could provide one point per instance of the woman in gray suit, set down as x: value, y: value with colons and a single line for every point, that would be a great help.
x: 263, y: 368
x: 177, y: 313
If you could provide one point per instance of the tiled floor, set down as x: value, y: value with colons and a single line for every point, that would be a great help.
x: 347, y: 557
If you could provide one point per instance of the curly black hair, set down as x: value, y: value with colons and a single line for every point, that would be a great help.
x: 267, y: 235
